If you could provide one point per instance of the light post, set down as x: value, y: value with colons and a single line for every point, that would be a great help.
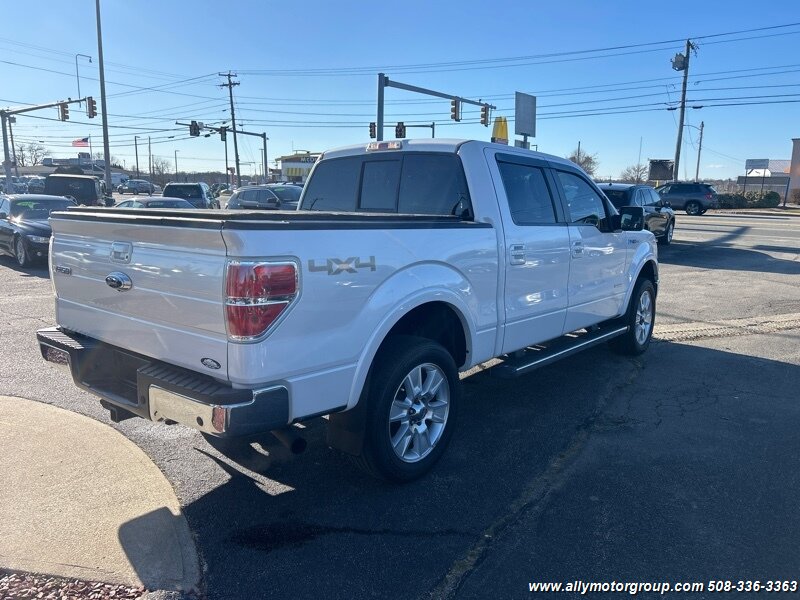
x: 104, y: 106
x: 176, y: 165
x: 77, y: 75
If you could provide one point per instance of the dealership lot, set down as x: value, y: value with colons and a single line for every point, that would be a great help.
x: 680, y: 465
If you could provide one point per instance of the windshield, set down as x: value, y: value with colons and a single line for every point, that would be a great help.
x: 619, y: 198
x: 38, y: 209
x: 288, y: 193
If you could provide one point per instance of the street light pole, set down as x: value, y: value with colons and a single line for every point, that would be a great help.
x: 176, y: 165
x: 136, y: 146
x: 685, y: 69
x: 77, y: 75
x: 106, y: 150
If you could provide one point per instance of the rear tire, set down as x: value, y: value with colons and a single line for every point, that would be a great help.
x: 413, y: 394
x: 640, y: 319
x: 692, y: 208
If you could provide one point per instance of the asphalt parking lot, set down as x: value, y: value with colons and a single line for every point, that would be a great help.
x: 679, y: 466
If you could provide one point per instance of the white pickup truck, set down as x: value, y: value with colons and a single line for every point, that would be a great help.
x: 407, y: 262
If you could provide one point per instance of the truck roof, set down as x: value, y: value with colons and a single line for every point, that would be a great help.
x: 440, y: 145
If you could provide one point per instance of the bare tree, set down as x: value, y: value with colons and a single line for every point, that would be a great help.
x: 162, y: 170
x: 29, y: 155
x: 587, y: 162
x: 634, y: 173
x: 112, y: 159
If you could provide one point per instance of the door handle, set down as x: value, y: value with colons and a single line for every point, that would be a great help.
x: 517, y: 254
x: 577, y: 249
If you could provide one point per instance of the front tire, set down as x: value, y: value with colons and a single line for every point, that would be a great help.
x: 413, y: 394
x: 640, y: 319
x: 20, y: 252
x: 666, y: 239
x: 693, y: 208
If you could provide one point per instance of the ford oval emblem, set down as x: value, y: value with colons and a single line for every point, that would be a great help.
x: 119, y: 281
x: 210, y: 363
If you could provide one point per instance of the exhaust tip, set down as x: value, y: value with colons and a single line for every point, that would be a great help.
x: 291, y: 439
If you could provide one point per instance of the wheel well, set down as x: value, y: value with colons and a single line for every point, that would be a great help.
x: 435, y: 321
x: 649, y: 272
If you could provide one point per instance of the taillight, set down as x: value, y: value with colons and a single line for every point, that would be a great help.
x: 709, y: 197
x: 256, y: 294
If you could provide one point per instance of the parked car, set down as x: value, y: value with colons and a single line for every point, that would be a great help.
x: 24, y: 225
x: 199, y: 194
x: 136, y: 186
x: 659, y: 218
x: 694, y: 198
x: 36, y: 185
x: 84, y: 189
x: 258, y: 197
x: 424, y: 258
x: 155, y: 202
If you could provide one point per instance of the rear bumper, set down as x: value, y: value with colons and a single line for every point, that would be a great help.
x: 137, y: 385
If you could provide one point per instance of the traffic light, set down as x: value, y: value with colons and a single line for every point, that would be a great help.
x: 485, y: 115
x: 223, y: 134
x: 63, y: 112
x: 400, y: 130
x: 194, y: 129
x: 373, y: 130
x: 91, y: 107
x: 455, y: 110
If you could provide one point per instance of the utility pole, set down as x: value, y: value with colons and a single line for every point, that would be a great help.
x: 681, y: 63
x: 136, y: 146
x: 699, y: 149
x: 230, y: 85
x: 264, y: 139
x: 150, y: 158
x: 176, y: 166
x: 106, y: 150
x: 227, y: 172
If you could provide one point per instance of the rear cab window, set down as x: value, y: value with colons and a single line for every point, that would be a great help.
x: 425, y: 183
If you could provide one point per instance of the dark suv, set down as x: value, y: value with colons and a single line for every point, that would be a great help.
x: 84, y: 189
x: 199, y: 194
x: 694, y: 198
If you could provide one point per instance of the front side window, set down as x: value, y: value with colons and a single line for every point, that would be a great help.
x: 529, y: 198
x: 585, y: 205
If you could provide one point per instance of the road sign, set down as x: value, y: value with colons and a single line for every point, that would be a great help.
x: 500, y: 131
x: 524, y: 114
x: 756, y: 163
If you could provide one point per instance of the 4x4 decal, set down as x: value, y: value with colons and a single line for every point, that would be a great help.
x: 334, y: 266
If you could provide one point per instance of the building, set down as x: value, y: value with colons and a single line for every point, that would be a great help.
x: 296, y: 167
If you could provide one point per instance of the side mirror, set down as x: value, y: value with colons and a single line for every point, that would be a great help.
x: 666, y: 204
x: 3, y: 215
x: 630, y: 218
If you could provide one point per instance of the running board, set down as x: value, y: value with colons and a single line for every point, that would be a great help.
x: 535, y: 357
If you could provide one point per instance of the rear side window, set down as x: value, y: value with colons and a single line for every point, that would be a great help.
x: 183, y: 191
x: 433, y: 184
x: 529, y: 198
x: 334, y: 185
x: 379, y: 181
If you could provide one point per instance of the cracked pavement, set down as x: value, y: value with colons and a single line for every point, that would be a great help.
x: 679, y: 465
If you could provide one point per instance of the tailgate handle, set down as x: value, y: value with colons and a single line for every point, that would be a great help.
x: 121, y: 252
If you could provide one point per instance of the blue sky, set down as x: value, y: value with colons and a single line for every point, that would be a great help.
x: 164, y: 44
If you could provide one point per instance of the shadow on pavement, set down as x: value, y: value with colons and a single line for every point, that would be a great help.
x: 37, y: 269
x: 693, y: 455
x: 714, y: 256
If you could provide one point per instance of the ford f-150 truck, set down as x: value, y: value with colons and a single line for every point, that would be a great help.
x: 407, y: 262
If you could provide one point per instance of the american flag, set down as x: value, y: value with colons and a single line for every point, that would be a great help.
x: 81, y: 142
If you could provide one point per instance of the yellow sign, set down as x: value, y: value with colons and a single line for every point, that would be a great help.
x: 500, y: 131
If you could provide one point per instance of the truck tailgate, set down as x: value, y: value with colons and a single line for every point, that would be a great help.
x: 173, y: 310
